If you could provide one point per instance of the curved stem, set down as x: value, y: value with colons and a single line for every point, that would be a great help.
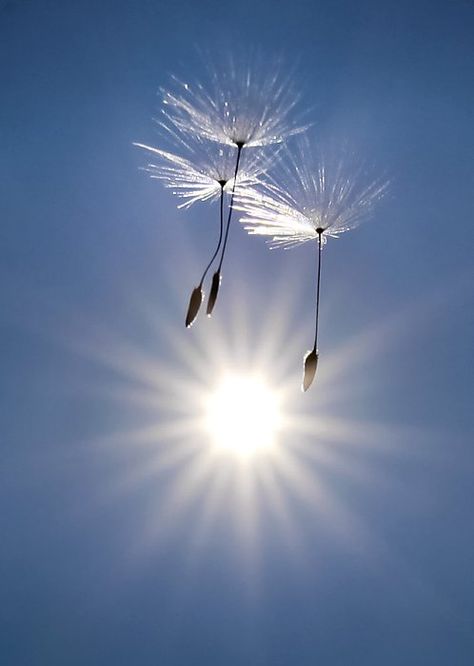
x: 320, y: 247
x: 220, y: 236
x: 239, y: 150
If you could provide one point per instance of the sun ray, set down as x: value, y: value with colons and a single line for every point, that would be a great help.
x: 168, y: 461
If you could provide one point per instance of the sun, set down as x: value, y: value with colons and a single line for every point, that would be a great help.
x: 243, y: 415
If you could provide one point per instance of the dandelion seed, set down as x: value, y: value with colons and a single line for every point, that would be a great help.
x: 216, y: 281
x: 242, y: 102
x: 194, y: 305
x: 309, y: 368
x: 201, y: 175
x: 243, y: 106
x: 207, y: 174
x: 318, y: 194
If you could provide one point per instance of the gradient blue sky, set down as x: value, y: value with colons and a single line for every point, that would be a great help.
x: 361, y: 551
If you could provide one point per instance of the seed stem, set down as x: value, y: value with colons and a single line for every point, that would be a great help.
x: 239, y: 150
x: 221, y: 229
x: 320, y: 247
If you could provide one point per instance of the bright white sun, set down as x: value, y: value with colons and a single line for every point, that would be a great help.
x: 243, y: 415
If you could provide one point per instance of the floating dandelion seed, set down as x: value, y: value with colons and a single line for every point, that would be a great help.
x: 242, y: 103
x: 319, y: 194
x: 203, y: 174
x: 242, y: 106
x: 208, y: 174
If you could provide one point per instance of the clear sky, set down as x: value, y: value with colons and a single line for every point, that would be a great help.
x: 121, y: 544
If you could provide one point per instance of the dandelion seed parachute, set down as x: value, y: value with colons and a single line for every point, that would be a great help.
x: 242, y: 105
x: 206, y: 174
x: 201, y: 175
x: 241, y: 102
x: 319, y: 193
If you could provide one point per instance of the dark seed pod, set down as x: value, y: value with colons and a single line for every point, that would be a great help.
x: 216, y: 282
x: 194, y: 305
x: 310, y: 365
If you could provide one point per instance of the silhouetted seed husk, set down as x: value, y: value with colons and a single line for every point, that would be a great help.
x: 216, y: 281
x: 310, y: 365
x: 194, y: 305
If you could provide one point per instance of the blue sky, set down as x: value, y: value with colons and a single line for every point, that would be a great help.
x: 117, y: 547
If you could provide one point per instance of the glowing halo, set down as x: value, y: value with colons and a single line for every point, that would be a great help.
x: 163, y: 466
